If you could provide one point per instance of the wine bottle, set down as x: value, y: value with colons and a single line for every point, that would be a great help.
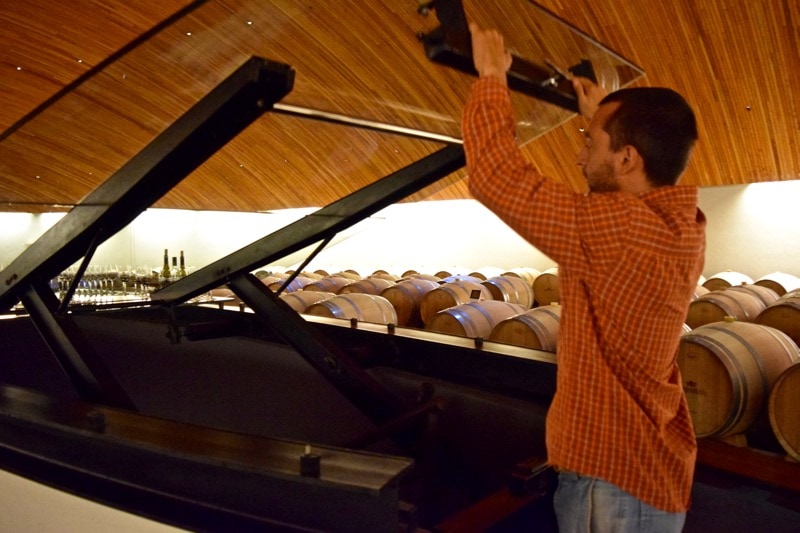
x: 165, y: 269
x: 182, y: 271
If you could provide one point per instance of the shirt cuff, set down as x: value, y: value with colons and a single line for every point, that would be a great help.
x: 490, y: 89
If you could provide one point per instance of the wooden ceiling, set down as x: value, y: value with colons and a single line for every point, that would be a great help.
x: 736, y: 61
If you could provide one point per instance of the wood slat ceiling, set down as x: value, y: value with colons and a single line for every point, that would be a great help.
x: 736, y: 61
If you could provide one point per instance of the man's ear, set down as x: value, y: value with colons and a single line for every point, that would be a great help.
x: 629, y: 160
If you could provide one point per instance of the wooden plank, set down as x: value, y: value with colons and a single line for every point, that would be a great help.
x: 751, y: 463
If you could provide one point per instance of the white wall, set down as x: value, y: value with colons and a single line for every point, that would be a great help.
x: 752, y: 229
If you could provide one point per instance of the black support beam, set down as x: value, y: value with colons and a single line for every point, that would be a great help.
x: 318, y: 226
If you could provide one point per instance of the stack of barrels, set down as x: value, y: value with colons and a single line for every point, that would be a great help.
x: 489, y: 303
x: 740, y: 361
x: 738, y: 356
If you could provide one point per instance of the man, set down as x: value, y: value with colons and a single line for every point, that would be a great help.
x: 630, y: 253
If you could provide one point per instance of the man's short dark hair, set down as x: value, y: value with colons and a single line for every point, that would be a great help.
x: 659, y: 124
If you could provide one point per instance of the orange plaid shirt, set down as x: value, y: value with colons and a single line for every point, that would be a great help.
x: 627, y: 268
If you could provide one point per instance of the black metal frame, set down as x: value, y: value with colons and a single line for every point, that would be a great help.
x: 252, y: 90
x: 450, y: 44
x: 247, y: 94
x: 333, y: 362
x: 321, y: 224
x: 194, y: 477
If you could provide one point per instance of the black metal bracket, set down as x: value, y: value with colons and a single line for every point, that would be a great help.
x: 87, y: 372
x: 323, y: 354
x: 451, y: 44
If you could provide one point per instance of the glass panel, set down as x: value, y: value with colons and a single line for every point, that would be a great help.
x: 355, y: 58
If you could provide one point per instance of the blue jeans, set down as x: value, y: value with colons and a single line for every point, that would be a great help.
x: 585, y: 504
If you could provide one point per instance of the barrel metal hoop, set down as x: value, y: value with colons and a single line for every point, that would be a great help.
x: 735, y: 370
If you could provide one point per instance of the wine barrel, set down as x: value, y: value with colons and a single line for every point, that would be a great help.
x: 510, y: 289
x: 728, y: 369
x: 783, y: 314
x: 383, y: 274
x: 546, y: 289
x: 535, y: 328
x: 297, y: 284
x: 328, y: 284
x: 765, y: 294
x: 363, y: 307
x: 301, y: 300
x: 349, y: 274
x: 461, y: 277
x: 473, y: 319
x: 449, y: 295
x: 271, y: 278
x: 367, y: 286
x: 723, y: 280
x: 486, y: 272
x: 744, y: 306
x: 784, y: 410
x: 699, y: 291
x: 406, y: 297
x: 526, y: 273
x: 454, y: 271
x: 780, y: 282
x: 305, y: 273
x: 416, y: 275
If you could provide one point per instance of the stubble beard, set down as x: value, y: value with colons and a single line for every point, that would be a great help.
x: 602, y: 179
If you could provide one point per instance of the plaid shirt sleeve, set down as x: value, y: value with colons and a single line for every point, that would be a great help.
x: 529, y: 203
x: 627, y: 269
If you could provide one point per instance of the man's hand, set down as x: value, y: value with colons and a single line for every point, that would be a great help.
x: 589, y: 95
x: 489, y: 53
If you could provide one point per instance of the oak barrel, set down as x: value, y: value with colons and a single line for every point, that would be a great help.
x: 535, y: 328
x: 527, y: 273
x: 301, y: 300
x: 780, y: 282
x: 406, y: 297
x: 546, y: 289
x: 765, y: 294
x: 714, y: 306
x: 486, y: 272
x: 699, y: 291
x: 367, y: 286
x: 473, y: 319
x: 510, y: 289
x: 363, y: 307
x: 449, y: 295
x: 297, y: 284
x: 380, y: 273
x: 329, y: 284
x: 461, y: 277
x: 783, y: 314
x: 416, y: 275
x: 349, y: 274
x: 728, y: 369
x: 723, y: 280
x: 784, y: 410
